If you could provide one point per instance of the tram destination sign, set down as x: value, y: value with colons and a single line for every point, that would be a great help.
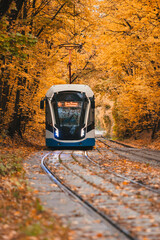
x: 68, y: 104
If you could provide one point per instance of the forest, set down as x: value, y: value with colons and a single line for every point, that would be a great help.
x: 117, y: 54
x: 114, y: 47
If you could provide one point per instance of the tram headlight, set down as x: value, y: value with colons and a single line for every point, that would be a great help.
x: 56, y: 132
x: 82, y: 132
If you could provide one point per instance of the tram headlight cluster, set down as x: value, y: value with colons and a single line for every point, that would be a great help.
x: 56, y: 132
x: 82, y: 132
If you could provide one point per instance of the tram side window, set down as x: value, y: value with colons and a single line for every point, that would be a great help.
x: 91, y: 116
x: 83, y: 112
x: 48, y: 114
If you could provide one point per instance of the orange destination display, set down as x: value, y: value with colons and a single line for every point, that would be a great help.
x: 68, y: 104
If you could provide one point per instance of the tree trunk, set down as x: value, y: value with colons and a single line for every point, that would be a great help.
x: 4, y: 6
x: 156, y: 127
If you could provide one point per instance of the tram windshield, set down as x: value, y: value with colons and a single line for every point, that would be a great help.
x: 69, y: 113
x: 69, y: 109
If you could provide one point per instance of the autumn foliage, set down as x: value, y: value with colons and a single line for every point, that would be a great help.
x: 128, y: 54
x: 118, y: 56
x: 33, y: 57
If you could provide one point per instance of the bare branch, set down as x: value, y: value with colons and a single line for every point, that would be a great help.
x: 41, y: 30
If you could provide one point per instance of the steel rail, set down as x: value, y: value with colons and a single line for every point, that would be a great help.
x: 126, y: 145
x: 123, y: 150
x: 122, y: 144
x: 134, y: 148
x: 83, y: 202
x: 122, y: 176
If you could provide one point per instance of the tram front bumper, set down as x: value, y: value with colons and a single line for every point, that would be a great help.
x: 89, y: 142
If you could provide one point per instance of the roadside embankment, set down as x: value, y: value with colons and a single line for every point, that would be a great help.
x: 21, y: 214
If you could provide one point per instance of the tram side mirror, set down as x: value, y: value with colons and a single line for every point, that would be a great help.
x: 92, y: 103
x: 42, y: 104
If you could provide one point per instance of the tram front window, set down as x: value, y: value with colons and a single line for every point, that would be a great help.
x: 69, y: 113
x: 69, y: 108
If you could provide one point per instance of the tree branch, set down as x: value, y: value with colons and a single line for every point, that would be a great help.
x: 83, y: 67
x: 4, y: 6
x: 41, y: 30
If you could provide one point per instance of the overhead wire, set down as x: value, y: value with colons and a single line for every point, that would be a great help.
x: 75, y: 33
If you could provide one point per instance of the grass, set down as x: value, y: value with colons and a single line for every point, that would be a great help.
x: 33, y: 230
x: 10, y: 165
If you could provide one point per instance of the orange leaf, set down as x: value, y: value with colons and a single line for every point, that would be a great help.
x: 125, y: 183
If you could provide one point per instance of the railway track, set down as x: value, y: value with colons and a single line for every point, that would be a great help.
x: 147, y: 179
x: 142, y: 154
x: 83, y: 202
x: 122, y: 176
x: 86, y: 185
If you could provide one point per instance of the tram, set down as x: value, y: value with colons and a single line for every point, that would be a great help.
x: 69, y: 116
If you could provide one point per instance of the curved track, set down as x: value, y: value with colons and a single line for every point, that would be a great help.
x: 102, y: 194
x: 82, y: 201
x: 143, y: 154
x: 122, y: 176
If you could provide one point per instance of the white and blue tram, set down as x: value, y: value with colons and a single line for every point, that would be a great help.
x: 69, y: 116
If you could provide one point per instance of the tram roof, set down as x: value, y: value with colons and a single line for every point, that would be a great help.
x: 70, y: 87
